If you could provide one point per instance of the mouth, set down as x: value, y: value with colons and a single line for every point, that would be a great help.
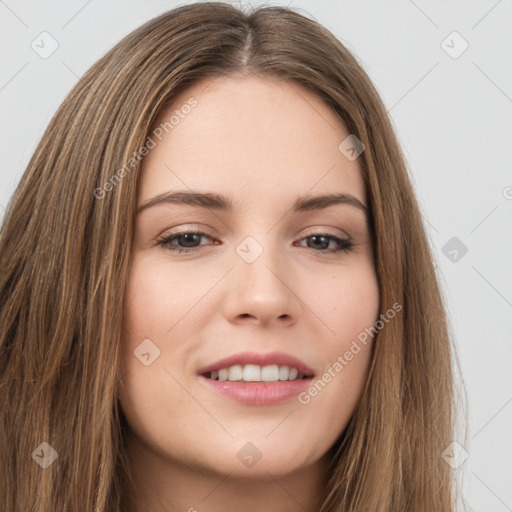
x: 256, y: 373
x: 257, y: 379
x: 257, y: 367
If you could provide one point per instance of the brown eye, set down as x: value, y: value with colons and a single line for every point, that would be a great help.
x: 321, y: 241
x: 186, y: 241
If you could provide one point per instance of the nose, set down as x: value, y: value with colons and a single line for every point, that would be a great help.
x: 262, y: 291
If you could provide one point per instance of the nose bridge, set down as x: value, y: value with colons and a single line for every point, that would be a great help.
x: 260, y: 283
x: 260, y: 261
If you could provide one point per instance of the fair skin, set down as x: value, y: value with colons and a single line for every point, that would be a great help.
x: 262, y: 144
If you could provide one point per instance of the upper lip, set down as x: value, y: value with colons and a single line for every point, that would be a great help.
x: 271, y: 358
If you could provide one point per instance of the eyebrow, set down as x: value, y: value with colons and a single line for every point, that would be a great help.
x: 222, y: 203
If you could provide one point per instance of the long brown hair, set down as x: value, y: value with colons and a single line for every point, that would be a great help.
x: 65, y: 252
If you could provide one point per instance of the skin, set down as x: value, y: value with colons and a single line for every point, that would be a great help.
x: 262, y: 143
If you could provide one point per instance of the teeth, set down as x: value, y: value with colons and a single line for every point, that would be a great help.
x: 270, y: 373
x: 256, y: 373
x: 252, y: 373
x: 235, y: 373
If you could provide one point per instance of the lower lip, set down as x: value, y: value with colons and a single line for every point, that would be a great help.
x: 258, y: 393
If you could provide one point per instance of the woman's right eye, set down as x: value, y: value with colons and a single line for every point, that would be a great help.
x: 189, y: 238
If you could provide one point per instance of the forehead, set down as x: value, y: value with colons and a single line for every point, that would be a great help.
x: 249, y: 134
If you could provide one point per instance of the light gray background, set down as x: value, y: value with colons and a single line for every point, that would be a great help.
x: 454, y: 120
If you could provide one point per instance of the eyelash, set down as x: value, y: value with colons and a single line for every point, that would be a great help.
x: 345, y: 244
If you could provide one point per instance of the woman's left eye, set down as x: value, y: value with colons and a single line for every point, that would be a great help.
x: 324, y: 240
x: 189, y: 241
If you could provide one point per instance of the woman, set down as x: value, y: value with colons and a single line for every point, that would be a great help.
x: 298, y: 359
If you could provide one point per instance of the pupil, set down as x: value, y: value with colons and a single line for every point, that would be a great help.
x: 325, y: 244
x: 190, y: 238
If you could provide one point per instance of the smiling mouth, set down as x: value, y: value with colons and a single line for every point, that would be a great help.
x: 252, y: 373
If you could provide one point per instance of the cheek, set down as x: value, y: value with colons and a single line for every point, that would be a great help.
x: 348, y: 303
x: 158, y: 296
x: 160, y: 301
x: 148, y: 394
x: 349, y: 307
x: 147, y: 303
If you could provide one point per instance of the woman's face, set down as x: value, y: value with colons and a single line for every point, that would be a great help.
x: 266, y: 278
